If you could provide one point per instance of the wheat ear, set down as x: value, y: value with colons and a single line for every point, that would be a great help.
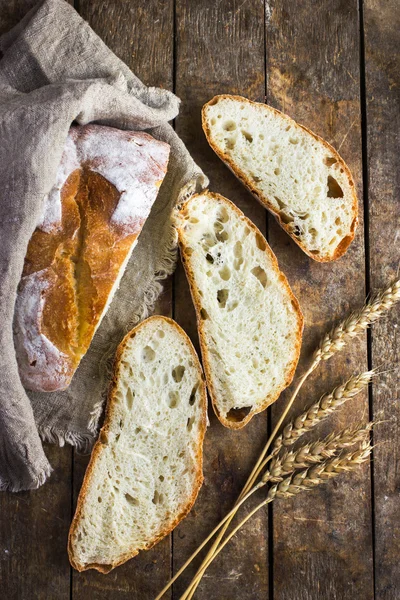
x: 317, y: 412
x: 293, y: 485
x: 330, y: 343
x: 315, y: 452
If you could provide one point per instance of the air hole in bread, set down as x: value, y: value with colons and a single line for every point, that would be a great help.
x: 288, y: 128
x: 255, y: 363
x: 260, y: 274
x: 222, y: 297
x: 177, y: 373
x: 148, y: 354
x: 247, y: 135
x: 190, y: 423
x: 229, y: 125
x: 193, y: 220
x: 293, y: 140
x: 222, y: 236
x: 203, y: 314
x: 277, y: 171
x: 225, y: 273
x: 238, y: 249
x: 131, y: 500
x: 213, y: 121
x: 99, y: 499
x: 334, y: 189
x: 255, y: 178
x: 130, y: 394
x: 209, y: 258
x: 285, y: 218
x: 261, y: 243
x: 314, y: 251
x: 158, y: 498
x: 261, y: 136
x: 238, y: 414
x: 161, y: 477
x: 173, y: 399
x: 330, y: 160
x: 103, y: 438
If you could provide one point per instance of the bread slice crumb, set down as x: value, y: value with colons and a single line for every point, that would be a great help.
x: 294, y: 173
x: 250, y: 323
x: 146, y: 467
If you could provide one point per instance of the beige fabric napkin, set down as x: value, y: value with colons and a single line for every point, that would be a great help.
x: 56, y: 70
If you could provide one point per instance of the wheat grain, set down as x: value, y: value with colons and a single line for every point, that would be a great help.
x: 315, y: 452
x: 357, y: 322
x: 317, y: 412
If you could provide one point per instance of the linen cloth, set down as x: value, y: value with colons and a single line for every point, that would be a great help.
x: 56, y: 70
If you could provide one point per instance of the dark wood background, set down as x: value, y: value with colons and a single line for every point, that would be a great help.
x: 333, y: 65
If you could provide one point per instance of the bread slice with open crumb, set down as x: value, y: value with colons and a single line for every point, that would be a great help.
x: 294, y: 173
x: 250, y: 323
x: 146, y: 467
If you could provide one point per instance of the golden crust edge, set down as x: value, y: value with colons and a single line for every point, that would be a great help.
x: 98, y: 447
x: 341, y: 248
x: 197, y: 304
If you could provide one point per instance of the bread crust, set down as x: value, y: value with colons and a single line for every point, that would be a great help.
x: 197, y: 304
x: 346, y: 241
x: 103, y: 434
x: 77, y: 254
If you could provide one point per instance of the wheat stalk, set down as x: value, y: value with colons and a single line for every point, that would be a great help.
x: 296, y: 483
x: 331, y: 343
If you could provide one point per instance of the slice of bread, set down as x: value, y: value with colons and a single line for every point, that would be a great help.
x: 146, y: 467
x: 250, y: 323
x: 294, y: 173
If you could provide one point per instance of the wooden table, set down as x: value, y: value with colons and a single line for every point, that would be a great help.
x: 334, y: 66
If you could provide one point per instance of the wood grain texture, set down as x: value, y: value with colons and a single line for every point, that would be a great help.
x: 141, y: 34
x: 33, y: 536
x: 220, y: 48
x: 322, y: 540
x: 382, y: 61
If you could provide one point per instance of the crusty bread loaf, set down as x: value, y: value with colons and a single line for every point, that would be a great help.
x: 297, y: 175
x: 250, y: 324
x: 146, y: 468
x: 107, y: 181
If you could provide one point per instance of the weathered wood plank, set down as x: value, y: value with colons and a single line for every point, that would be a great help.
x: 322, y: 540
x: 33, y: 536
x: 34, y: 525
x: 141, y: 34
x: 382, y: 60
x: 220, y: 48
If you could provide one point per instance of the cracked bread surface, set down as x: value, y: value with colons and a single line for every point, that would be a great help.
x: 249, y: 321
x: 293, y: 172
x: 146, y: 467
x: 106, y: 184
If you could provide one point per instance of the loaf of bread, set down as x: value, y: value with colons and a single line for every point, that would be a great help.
x: 146, y: 467
x: 294, y: 173
x: 106, y: 184
x: 250, y: 323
